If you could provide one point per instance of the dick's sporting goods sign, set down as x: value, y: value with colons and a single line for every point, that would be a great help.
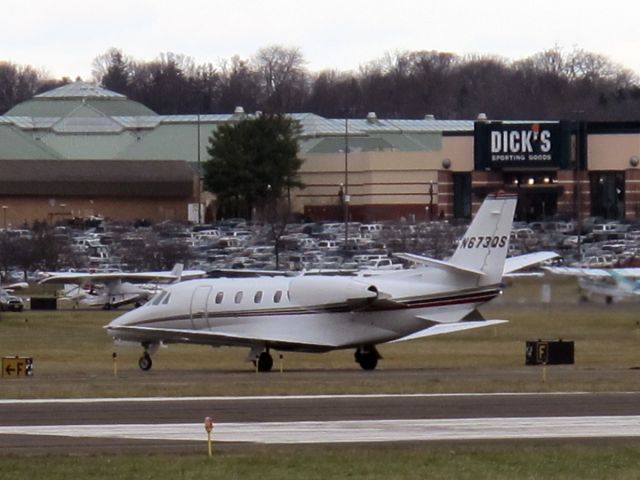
x: 499, y: 145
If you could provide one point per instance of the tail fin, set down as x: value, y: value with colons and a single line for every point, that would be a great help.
x: 484, y: 245
x: 624, y: 283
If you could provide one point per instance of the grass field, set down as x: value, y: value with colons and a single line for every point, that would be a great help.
x: 73, y: 356
x: 400, y: 461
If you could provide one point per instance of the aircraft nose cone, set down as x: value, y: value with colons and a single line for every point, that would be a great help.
x: 125, y: 319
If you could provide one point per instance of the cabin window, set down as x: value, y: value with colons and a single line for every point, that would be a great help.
x: 258, y: 297
x: 219, y: 297
x: 277, y: 296
x: 166, y: 299
x: 238, y: 297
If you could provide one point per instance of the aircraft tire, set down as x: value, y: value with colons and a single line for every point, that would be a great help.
x: 265, y: 362
x: 145, y: 362
x: 367, y: 360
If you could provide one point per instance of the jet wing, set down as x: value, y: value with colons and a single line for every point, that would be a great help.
x: 171, y: 335
x: 76, y: 277
x: 630, y: 273
x: 442, y: 328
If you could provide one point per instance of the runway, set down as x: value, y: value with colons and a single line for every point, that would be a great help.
x: 177, y: 423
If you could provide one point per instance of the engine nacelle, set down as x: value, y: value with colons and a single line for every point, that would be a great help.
x: 324, y: 290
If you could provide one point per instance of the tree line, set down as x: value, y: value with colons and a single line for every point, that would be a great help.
x: 549, y: 85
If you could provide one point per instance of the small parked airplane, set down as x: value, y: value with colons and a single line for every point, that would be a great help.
x: 611, y: 284
x: 115, y: 289
x: 319, y: 313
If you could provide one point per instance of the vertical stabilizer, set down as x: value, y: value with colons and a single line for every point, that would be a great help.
x: 484, y: 245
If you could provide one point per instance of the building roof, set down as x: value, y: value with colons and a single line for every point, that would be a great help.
x: 107, y: 178
x: 87, y: 122
x: 80, y: 90
x: 61, y: 101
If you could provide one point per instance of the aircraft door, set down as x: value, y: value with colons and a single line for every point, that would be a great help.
x: 199, y: 313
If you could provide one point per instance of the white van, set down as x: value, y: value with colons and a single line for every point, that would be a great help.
x: 329, y: 245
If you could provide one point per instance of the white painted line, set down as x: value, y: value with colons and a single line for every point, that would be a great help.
x: 356, y: 431
x: 291, y: 397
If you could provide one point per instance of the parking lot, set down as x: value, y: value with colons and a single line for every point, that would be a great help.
x: 237, y: 244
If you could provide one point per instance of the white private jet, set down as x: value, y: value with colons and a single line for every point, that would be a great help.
x: 114, y: 289
x: 322, y: 313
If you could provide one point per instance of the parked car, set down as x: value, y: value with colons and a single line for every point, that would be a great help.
x: 382, y: 264
x: 10, y: 302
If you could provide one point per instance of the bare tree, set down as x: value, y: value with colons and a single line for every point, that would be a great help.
x: 283, y: 77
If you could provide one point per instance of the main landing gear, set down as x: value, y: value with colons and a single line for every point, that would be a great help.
x: 367, y: 357
x: 264, y: 361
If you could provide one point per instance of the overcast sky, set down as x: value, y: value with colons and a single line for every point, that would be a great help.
x: 63, y: 37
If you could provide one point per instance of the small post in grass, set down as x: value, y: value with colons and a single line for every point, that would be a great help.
x: 115, y: 364
x: 208, y: 426
x: 281, y: 363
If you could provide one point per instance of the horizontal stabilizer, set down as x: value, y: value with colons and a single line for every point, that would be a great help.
x: 432, y: 262
x: 513, y: 264
x: 443, y: 328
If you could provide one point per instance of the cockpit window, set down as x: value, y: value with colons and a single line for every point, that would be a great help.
x: 158, y: 298
x: 166, y: 299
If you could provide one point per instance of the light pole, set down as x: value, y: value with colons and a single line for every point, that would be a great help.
x: 199, y: 199
x: 431, y: 200
x: 346, y: 179
x: 4, y: 216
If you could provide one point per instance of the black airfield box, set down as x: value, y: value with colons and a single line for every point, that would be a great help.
x: 550, y: 352
x: 44, y: 303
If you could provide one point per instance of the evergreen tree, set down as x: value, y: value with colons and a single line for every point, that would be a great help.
x: 253, y: 163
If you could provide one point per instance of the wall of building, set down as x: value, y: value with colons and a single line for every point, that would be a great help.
x: 382, y: 185
x: 459, y: 150
x: 612, y: 151
x: 21, y: 210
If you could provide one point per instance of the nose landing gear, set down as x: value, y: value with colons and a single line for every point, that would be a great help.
x: 145, y: 362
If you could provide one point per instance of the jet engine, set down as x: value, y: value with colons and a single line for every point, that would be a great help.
x: 324, y: 290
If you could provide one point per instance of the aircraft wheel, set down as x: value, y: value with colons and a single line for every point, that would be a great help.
x: 367, y: 360
x: 609, y: 300
x: 145, y: 362
x: 265, y: 362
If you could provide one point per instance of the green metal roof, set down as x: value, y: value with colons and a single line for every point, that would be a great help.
x: 62, y: 101
x: 16, y: 145
x: 84, y: 121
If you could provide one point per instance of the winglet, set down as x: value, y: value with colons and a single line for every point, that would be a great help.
x: 177, y: 271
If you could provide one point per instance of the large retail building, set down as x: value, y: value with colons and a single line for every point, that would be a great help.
x: 80, y: 150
